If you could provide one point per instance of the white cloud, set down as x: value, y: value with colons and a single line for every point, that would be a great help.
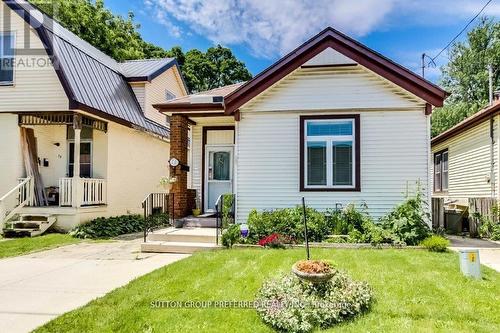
x: 274, y: 27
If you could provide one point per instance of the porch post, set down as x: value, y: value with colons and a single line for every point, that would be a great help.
x: 75, y: 188
x: 179, y: 128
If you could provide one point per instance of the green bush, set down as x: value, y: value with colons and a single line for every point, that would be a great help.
x: 290, y: 305
x: 288, y: 222
x: 101, y: 227
x: 231, y: 235
x: 435, y: 243
x: 488, y: 228
x: 227, y: 204
x: 408, y: 221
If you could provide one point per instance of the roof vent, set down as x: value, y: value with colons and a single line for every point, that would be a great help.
x: 199, y: 99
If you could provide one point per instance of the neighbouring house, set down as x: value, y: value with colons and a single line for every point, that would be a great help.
x: 466, y: 169
x: 79, y: 137
x: 332, y: 121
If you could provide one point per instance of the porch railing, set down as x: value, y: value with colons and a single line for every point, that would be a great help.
x: 9, y: 206
x: 157, y: 204
x: 92, y: 191
x: 224, y: 213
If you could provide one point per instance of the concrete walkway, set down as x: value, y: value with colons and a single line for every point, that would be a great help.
x: 39, y: 287
x: 489, y: 251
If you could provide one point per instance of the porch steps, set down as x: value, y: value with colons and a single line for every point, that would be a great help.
x: 29, y: 225
x: 176, y: 247
x: 200, y: 222
x: 183, y: 240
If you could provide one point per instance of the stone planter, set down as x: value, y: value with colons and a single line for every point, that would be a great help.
x: 312, y: 277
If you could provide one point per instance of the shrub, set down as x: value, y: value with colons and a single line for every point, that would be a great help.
x: 275, y: 241
x: 435, y: 243
x: 102, y: 227
x: 227, y: 204
x: 231, y: 235
x: 490, y: 229
x: 289, y: 222
x: 292, y: 305
x: 407, y: 222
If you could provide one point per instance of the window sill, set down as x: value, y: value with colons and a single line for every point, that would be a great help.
x: 345, y: 189
x: 6, y: 84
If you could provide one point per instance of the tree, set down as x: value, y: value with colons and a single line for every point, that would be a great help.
x: 119, y: 38
x: 466, y: 75
x: 215, y: 68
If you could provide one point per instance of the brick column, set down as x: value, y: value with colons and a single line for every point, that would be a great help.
x: 179, y: 149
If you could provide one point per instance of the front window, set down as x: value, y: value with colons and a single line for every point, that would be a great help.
x: 329, y: 160
x: 6, y: 58
x: 86, y: 136
x: 441, y: 171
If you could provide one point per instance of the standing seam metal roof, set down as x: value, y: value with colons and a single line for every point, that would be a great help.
x: 93, y: 79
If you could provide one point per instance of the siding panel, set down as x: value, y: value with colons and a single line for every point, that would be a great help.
x: 268, y: 161
x: 469, y: 158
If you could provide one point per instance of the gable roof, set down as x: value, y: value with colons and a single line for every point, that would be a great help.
x: 93, y: 81
x: 347, y: 46
x: 145, y: 69
x: 475, y: 119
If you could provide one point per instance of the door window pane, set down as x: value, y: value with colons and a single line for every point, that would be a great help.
x: 342, y: 163
x: 316, y: 163
x: 322, y: 128
x: 221, y: 165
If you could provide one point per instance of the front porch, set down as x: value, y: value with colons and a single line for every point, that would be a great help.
x: 65, y: 167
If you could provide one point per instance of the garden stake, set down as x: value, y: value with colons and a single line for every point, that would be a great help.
x: 305, y: 228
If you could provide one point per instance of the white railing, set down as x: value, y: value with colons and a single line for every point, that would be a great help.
x: 8, y: 204
x: 94, y: 191
x: 91, y: 192
x: 65, y: 192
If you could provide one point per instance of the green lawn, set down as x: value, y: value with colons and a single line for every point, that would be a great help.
x: 19, y: 246
x: 415, y: 291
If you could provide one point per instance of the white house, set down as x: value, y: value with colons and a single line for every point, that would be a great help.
x: 332, y: 121
x: 93, y: 145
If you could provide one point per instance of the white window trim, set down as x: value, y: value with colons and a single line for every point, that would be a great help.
x: 329, y: 139
x: 13, y: 35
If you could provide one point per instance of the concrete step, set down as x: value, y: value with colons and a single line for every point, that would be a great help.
x: 21, y: 232
x: 200, y: 222
x: 183, y: 238
x: 176, y: 247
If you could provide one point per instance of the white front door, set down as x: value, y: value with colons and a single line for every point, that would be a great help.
x: 218, y: 173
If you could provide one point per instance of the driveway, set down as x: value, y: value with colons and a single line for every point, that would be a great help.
x: 38, y: 287
x: 489, y: 251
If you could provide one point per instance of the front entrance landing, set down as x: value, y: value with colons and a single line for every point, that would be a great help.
x: 183, y: 240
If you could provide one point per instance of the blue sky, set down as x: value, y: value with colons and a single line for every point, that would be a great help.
x: 260, y: 31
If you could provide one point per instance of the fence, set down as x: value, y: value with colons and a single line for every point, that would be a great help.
x: 480, y: 207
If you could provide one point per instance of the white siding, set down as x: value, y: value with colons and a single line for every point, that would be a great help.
x: 469, y: 161
x: 34, y: 89
x: 11, y: 161
x: 329, y: 57
x: 325, y: 88
x: 394, y: 152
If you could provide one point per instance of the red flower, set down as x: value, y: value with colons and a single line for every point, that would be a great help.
x: 275, y: 239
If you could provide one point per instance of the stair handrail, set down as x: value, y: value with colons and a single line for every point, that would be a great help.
x: 25, y: 191
x: 156, y: 200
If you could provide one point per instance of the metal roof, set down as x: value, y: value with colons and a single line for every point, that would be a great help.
x: 146, y: 69
x: 92, y: 80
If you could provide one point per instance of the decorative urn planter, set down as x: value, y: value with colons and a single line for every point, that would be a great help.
x: 313, y: 271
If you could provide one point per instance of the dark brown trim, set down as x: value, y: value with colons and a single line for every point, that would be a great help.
x: 428, y: 109
x: 351, y: 49
x: 327, y: 66
x: 188, y: 107
x: 357, y: 147
x: 201, y: 114
x: 237, y: 115
x: 468, y: 123
x: 203, y: 143
x: 434, y: 171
